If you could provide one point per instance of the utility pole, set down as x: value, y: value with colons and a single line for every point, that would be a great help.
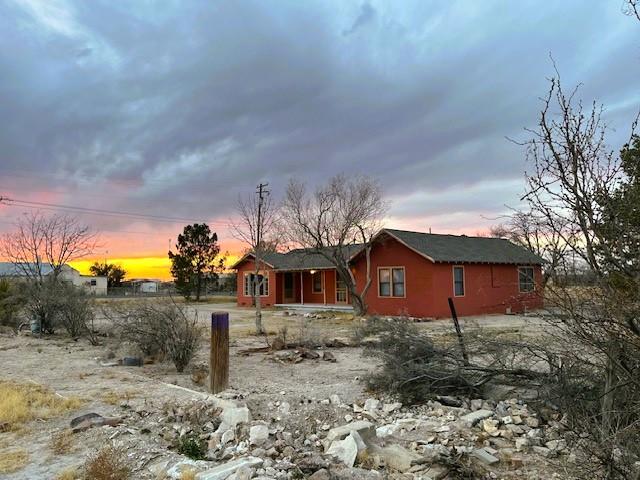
x: 257, y: 284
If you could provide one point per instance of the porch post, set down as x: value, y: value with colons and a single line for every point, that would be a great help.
x: 301, y: 290
x: 324, y: 287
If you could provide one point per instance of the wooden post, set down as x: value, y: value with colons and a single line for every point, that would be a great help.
x: 456, y: 324
x: 219, y: 356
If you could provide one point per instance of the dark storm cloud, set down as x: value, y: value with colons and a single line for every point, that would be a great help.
x: 176, y: 107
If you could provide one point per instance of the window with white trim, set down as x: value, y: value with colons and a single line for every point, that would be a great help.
x: 458, y: 281
x: 263, y: 284
x: 391, y: 282
x: 316, y: 283
x: 526, y: 281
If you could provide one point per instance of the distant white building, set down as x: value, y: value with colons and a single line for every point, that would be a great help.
x: 91, y: 284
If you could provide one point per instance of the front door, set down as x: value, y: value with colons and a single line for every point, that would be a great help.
x: 288, y: 295
x: 341, y: 290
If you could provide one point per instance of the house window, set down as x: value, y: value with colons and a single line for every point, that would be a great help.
x: 391, y: 282
x: 526, y: 279
x: 94, y: 283
x: 316, y: 282
x: 458, y: 281
x: 263, y: 288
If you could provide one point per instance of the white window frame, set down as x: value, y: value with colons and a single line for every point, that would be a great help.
x: 404, y: 281
x: 247, y: 292
x: 533, y: 278
x: 313, y: 282
x: 464, y: 280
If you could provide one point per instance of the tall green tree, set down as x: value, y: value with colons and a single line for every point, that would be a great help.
x: 195, y: 261
x: 115, y: 273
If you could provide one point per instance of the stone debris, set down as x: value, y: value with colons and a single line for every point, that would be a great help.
x: 326, y: 438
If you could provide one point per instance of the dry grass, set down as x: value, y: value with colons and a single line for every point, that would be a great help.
x: 13, y: 460
x: 109, y: 463
x: 113, y: 397
x: 70, y: 473
x: 188, y: 474
x: 61, y: 442
x: 23, y: 402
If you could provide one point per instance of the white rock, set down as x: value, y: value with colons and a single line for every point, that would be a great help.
x: 335, y: 399
x: 221, y: 472
x: 371, y: 404
x: 484, y: 456
x: 391, y: 407
x: 258, y: 434
x: 233, y: 416
x: 284, y: 408
x: 345, y: 450
x: 474, y: 417
x: 364, y: 428
x: 227, y: 437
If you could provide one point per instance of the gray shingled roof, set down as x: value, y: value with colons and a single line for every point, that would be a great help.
x: 8, y: 269
x: 463, y: 249
x: 301, y: 259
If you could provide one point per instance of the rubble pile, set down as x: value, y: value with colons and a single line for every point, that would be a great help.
x: 327, y: 439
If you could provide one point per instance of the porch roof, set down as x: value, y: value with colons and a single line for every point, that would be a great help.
x: 300, y: 259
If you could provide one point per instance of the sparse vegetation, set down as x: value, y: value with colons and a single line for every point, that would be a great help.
x: 192, y: 446
x: 109, y: 463
x: 23, y: 402
x: 61, y: 442
x: 13, y: 460
x: 70, y: 473
x: 159, y: 328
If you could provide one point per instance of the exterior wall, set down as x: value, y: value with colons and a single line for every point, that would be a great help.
x: 488, y: 288
x: 93, y: 285
x: 247, y: 301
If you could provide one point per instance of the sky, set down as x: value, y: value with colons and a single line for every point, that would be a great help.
x: 175, y: 108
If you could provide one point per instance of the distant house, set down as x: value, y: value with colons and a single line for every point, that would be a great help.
x: 412, y: 274
x: 93, y: 285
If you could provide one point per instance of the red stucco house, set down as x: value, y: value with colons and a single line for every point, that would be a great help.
x: 412, y: 274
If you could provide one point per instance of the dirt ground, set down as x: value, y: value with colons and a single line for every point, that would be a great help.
x: 73, y: 369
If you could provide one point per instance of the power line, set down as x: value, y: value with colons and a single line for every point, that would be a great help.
x: 97, y: 211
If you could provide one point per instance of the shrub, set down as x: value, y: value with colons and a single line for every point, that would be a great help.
x: 11, y: 303
x: 192, y: 446
x: 159, y: 328
x: 76, y: 313
x: 109, y: 463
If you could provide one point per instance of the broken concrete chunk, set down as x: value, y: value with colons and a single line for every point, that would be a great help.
x: 221, y: 472
x: 371, y: 404
x: 474, y: 417
x: 364, y: 428
x: 233, y: 416
x: 484, y: 456
x: 391, y: 407
x: 345, y: 450
x: 258, y: 434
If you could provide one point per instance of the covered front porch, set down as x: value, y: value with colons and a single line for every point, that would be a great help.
x: 312, y: 289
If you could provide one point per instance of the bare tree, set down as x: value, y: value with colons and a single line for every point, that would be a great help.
x: 39, y: 240
x: 577, y: 190
x: 256, y: 227
x: 339, y: 215
x: 632, y: 8
x: 536, y: 234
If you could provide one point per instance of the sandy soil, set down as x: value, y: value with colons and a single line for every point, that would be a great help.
x: 73, y: 368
